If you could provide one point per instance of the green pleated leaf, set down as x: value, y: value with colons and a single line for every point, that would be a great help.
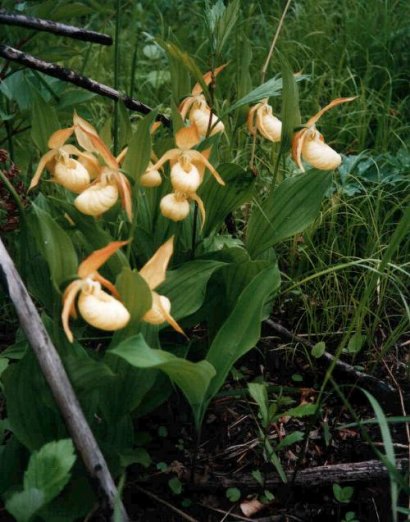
x: 55, y: 246
x: 139, y: 148
x: 192, y: 378
x: 287, y: 210
x: 25, y: 504
x: 135, y: 293
x: 87, y: 374
x: 220, y: 200
x: 44, y: 122
x: 290, y: 106
x: 186, y: 60
x: 270, y: 88
x: 32, y: 412
x: 241, y: 330
x: 49, y: 468
x: 185, y: 287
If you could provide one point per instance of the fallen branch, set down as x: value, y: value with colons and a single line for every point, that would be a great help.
x: 68, y: 75
x: 50, y: 26
x: 56, y: 377
x: 380, y: 389
x: 319, y: 476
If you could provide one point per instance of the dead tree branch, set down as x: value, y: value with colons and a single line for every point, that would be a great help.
x: 50, y: 26
x: 68, y: 75
x: 56, y: 377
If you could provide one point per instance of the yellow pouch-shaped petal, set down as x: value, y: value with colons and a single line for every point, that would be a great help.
x: 97, y: 199
x: 101, y: 310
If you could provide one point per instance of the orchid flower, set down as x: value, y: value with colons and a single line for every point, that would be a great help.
x: 153, y: 272
x: 187, y: 172
x: 110, y: 183
x: 309, y: 144
x: 197, y: 109
x: 97, y: 307
x: 262, y: 120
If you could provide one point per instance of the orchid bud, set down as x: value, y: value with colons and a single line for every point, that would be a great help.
x: 185, y: 177
x: 200, y: 116
x: 71, y: 174
x: 174, y: 206
x: 155, y: 314
x: 318, y: 154
x: 151, y: 178
x: 100, y: 309
x: 97, y: 199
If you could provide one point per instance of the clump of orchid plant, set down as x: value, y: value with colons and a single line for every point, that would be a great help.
x: 308, y: 143
x: 187, y: 173
x: 262, y: 120
x: 196, y: 108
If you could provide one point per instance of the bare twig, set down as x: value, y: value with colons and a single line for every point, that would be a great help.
x: 378, y: 387
x: 54, y: 27
x: 68, y: 75
x: 165, y: 503
x: 56, y: 377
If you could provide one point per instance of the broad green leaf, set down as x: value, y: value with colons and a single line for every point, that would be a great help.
x: 290, y: 106
x: 44, y: 122
x: 139, y: 148
x: 302, y: 410
x: 25, y: 504
x: 233, y: 494
x: 49, y: 468
x: 185, y: 287
x: 192, y: 378
x: 221, y: 20
x: 318, y: 349
x: 186, y: 60
x: 33, y: 415
x: 292, y: 438
x: 270, y: 88
x: 55, y: 246
x: 87, y: 374
x: 241, y: 330
x: 287, y: 210
x: 135, y: 293
x: 220, y: 200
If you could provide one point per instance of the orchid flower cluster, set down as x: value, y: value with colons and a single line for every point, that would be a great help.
x: 307, y: 144
x: 105, y: 311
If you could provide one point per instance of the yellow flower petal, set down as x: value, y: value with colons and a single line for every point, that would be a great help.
x: 154, y: 270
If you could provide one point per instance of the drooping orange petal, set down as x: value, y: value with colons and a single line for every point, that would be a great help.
x: 108, y: 285
x: 297, y: 144
x: 200, y: 165
x: 58, y: 138
x: 99, y: 146
x: 170, y: 155
x: 93, y: 262
x: 197, y: 156
x: 68, y: 305
x: 83, y: 124
x: 120, y: 158
x: 185, y: 105
x: 124, y: 188
x: 187, y: 137
x: 48, y: 156
x: 170, y: 320
x: 208, y: 79
x: 250, y: 121
x: 155, y: 268
x: 330, y: 105
x: 194, y: 196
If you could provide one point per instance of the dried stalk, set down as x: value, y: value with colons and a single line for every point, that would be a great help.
x: 56, y: 377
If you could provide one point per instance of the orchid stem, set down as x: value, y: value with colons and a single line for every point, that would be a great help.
x: 116, y: 74
x: 194, y: 231
x: 12, y: 191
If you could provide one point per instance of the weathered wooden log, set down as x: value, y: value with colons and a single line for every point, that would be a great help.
x: 68, y: 75
x: 50, y: 26
x: 318, y: 476
x: 56, y: 377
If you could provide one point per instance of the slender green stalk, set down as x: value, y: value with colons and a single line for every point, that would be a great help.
x: 116, y: 74
x: 12, y: 191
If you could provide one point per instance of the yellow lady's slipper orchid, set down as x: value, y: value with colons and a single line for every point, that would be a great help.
x: 153, y: 272
x: 262, y: 120
x: 197, y: 109
x: 310, y: 145
x: 97, y: 307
